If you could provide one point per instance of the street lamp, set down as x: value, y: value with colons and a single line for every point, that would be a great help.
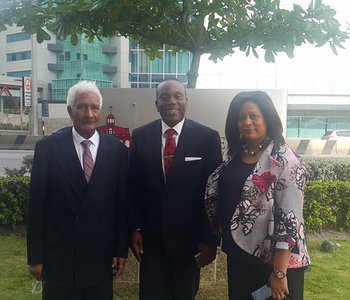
x: 20, y: 101
x: 34, y: 81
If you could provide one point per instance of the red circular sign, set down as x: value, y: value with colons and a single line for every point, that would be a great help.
x: 28, y: 84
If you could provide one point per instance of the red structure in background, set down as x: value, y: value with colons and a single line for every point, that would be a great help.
x: 122, y: 133
x: 5, y: 90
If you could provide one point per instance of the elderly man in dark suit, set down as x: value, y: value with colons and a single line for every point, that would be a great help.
x: 168, y: 172
x: 77, y: 228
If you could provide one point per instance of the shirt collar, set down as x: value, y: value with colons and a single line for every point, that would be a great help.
x: 177, y: 127
x: 77, y: 138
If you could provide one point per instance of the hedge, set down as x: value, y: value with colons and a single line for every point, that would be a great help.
x: 327, y: 168
x: 14, y: 195
x: 326, y: 206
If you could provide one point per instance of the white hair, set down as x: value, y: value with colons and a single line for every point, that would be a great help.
x: 83, y: 86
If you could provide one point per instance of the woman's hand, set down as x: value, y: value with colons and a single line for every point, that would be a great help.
x: 279, y: 287
x: 279, y: 284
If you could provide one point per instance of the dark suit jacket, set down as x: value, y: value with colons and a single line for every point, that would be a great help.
x: 171, y: 215
x: 75, y: 228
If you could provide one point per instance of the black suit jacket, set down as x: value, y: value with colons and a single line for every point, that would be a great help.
x: 75, y: 228
x: 171, y: 214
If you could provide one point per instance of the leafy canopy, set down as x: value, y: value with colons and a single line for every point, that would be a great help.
x: 215, y: 27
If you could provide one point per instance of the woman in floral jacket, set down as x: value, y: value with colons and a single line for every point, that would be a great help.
x: 254, y: 200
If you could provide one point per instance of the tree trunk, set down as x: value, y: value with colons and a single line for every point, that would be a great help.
x: 192, y: 74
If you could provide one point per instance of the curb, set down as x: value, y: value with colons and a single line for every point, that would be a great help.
x: 19, y: 142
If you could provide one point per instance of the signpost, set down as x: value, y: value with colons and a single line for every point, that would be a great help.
x: 27, y: 91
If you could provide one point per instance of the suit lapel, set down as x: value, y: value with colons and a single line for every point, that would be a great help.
x: 103, y: 162
x: 68, y: 160
x: 156, y: 142
x: 183, y: 143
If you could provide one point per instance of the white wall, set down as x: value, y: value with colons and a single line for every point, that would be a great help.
x: 135, y: 107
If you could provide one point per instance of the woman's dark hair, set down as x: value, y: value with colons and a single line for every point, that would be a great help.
x: 268, y: 110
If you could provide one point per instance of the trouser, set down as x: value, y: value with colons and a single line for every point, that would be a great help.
x: 164, y: 278
x: 103, y: 291
x: 244, y: 278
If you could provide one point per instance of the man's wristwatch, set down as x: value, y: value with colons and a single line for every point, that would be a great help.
x: 279, y: 274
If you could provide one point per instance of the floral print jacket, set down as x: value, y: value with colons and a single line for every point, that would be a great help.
x: 269, y: 214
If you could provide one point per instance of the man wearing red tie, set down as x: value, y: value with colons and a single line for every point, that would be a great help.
x: 170, y: 161
x: 77, y: 227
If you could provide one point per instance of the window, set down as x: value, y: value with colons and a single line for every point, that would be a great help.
x: 19, y: 56
x: 16, y: 37
x: 132, y: 77
x: 19, y: 73
x: 134, y: 62
x: 170, y: 63
x: 157, y: 65
x: 78, y: 56
x: 183, y: 62
x: 84, y: 56
x: 143, y: 63
x: 144, y: 85
x: 143, y: 78
x: 66, y: 56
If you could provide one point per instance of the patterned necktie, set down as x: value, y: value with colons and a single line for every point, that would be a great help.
x: 169, y: 150
x: 88, y: 163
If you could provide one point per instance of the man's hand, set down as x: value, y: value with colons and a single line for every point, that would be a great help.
x: 137, y: 244
x: 118, y: 263
x: 207, y: 255
x: 36, y: 271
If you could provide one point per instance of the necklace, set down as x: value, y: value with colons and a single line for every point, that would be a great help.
x: 254, y: 152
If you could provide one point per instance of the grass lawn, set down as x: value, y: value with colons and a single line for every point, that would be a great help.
x: 329, y: 277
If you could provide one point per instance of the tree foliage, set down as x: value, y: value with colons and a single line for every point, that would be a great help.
x: 215, y: 27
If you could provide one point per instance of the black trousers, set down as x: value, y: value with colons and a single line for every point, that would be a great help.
x: 103, y: 291
x: 164, y: 278
x: 244, y: 278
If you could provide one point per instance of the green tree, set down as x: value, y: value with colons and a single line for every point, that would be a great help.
x: 215, y: 27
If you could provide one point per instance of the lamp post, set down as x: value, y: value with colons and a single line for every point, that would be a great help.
x: 34, y: 108
x: 21, y: 101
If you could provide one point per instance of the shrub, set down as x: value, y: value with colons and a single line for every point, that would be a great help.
x: 9, y: 126
x: 327, y: 169
x: 327, y: 205
x: 14, y: 195
x: 25, y: 169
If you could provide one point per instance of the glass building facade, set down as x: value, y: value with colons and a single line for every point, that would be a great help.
x: 84, y: 61
x: 314, y: 126
x: 146, y: 73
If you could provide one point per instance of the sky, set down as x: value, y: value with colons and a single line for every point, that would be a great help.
x: 312, y: 70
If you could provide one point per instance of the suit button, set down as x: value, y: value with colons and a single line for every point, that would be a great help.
x: 77, y: 217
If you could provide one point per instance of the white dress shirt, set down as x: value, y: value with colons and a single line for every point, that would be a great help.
x: 177, y: 128
x: 77, y: 139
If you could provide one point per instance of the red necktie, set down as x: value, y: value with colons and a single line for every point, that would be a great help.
x: 88, y: 163
x: 169, y: 150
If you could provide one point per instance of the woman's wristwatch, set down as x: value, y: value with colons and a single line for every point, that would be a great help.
x: 280, y: 274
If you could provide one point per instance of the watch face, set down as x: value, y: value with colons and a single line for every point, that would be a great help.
x: 280, y: 275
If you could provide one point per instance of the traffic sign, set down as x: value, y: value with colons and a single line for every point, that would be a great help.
x: 28, y: 84
x: 27, y: 88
